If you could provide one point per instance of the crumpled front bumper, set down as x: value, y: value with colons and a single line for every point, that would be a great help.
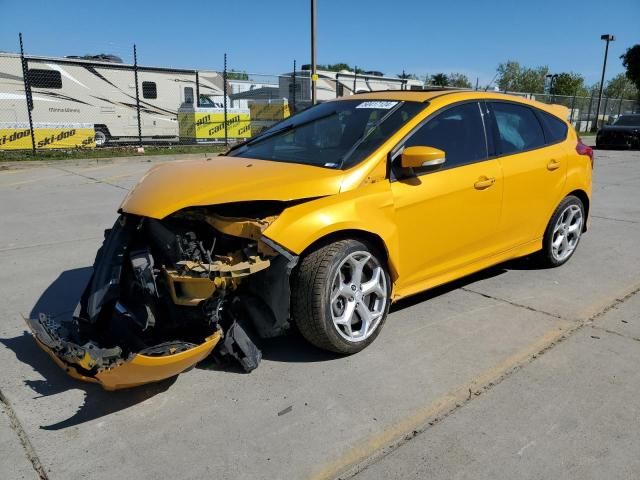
x: 89, y: 364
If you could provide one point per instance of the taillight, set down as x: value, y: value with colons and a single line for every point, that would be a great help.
x: 583, y: 149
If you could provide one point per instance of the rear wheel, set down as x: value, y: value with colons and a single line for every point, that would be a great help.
x: 563, y: 232
x: 101, y: 137
x: 341, y: 296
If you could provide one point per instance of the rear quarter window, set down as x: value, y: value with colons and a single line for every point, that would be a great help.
x: 519, y: 129
x: 555, y: 130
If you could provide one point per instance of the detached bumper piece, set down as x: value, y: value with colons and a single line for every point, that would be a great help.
x: 106, y: 366
x: 159, y: 302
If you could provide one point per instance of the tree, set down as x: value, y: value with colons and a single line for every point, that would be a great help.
x: 407, y: 76
x: 440, y: 79
x: 335, y: 67
x: 621, y: 87
x: 516, y: 78
x: 631, y: 61
x: 237, y: 75
x: 569, y: 84
x: 459, y: 80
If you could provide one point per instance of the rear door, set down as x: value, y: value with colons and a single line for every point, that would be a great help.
x: 534, y: 167
x: 448, y: 218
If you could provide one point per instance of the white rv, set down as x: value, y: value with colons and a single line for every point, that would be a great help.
x: 103, y: 94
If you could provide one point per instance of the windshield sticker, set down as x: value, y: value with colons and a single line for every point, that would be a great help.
x: 378, y: 104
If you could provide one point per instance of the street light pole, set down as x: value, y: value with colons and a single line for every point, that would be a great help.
x: 314, y: 74
x: 608, y: 38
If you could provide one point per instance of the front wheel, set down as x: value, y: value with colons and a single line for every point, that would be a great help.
x: 563, y: 232
x: 341, y: 295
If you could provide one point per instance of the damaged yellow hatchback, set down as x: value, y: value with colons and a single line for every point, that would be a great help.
x: 321, y: 222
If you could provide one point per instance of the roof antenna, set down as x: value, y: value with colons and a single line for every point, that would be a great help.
x: 491, y: 82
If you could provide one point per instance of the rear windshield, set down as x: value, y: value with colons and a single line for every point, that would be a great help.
x: 336, y: 134
x: 628, y: 121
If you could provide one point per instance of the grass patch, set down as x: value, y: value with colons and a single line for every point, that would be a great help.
x: 107, y: 152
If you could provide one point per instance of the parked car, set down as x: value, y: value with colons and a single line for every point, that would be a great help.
x: 323, y: 221
x: 624, y: 132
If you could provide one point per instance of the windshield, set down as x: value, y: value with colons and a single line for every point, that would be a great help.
x: 206, y: 102
x: 628, y: 121
x: 334, y: 135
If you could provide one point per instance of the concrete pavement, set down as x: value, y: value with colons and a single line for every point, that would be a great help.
x: 303, y: 413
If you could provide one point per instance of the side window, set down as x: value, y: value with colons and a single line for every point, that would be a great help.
x: 458, y: 131
x: 39, y: 78
x: 149, y: 90
x: 518, y: 128
x: 555, y: 129
x: 188, y: 95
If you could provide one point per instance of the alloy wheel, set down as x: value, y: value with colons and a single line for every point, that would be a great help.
x: 566, y: 232
x: 358, y: 296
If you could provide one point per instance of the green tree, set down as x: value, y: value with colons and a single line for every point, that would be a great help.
x: 509, y: 75
x: 621, y: 87
x: 439, y: 79
x: 631, y: 61
x: 569, y: 84
x: 516, y: 78
x: 459, y: 80
x: 237, y: 75
x: 336, y: 67
x: 407, y: 76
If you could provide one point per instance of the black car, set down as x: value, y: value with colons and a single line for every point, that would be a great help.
x: 623, y: 133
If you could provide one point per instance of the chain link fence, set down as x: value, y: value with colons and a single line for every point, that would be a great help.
x: 103, y: 101
x: 583, y: 110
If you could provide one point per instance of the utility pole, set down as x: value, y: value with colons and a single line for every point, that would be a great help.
x: 314, y: 74
x: 608, y: 38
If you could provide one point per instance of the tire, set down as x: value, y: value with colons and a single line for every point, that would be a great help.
x: 563, y: 233
x: 327, y: 274
x: 101, y: 137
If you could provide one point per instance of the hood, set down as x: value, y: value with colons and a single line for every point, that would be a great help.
x: 170, y: 187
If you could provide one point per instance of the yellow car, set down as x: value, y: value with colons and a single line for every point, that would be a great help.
x: 322, y: 221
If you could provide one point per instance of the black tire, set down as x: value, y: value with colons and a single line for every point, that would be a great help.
x: 547, y: 256
x: 311, y: 296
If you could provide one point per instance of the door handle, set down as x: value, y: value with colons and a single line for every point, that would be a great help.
x: 553, y: 165
x: 484, y: 182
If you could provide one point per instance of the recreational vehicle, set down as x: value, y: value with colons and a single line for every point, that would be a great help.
x: 101, y: 95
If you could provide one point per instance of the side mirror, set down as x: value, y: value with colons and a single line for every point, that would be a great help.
x: 422, y: 157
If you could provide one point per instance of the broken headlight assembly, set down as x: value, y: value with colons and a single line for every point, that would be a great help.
x: 165, y: 294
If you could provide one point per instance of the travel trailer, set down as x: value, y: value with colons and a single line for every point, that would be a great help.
x: 102, y: 95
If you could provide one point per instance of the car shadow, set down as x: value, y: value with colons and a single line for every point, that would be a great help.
x: 97, y: 402
x: 524, y: 263
x: 61, y: 297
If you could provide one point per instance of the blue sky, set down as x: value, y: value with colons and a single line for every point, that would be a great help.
x: 419, y: 36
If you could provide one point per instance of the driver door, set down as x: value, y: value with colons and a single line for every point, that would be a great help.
x: 447, y: 219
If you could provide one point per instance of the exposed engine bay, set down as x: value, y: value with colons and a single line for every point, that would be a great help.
x: 164, y: 294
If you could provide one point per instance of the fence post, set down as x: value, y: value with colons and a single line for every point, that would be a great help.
x: 620, y: 107
x: 135, y: 72
x: 355, y: 74
x: 573, y: 104
x: 293, y: 104
x: 604, y: 110
x: 27, y: 94
x: 197, y: 103
x: 224, y: 79
x: 589, y: 113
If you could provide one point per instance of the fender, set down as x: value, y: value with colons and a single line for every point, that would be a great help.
x: 368, y: 208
